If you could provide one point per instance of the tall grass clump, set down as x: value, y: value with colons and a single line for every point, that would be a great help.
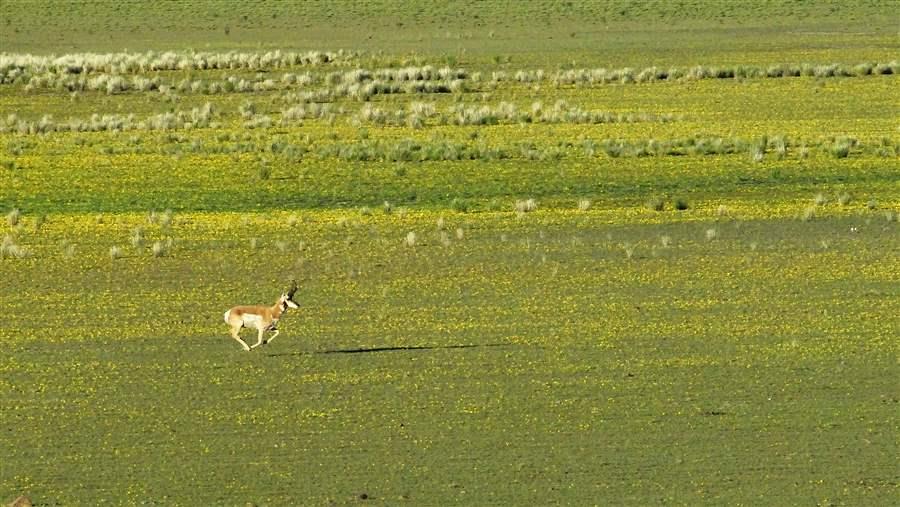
x: 160, y: 249
x: 9, y: 249
x: 459, y: 205
x: 525, y: 206
x: 655, y: 204
x: 840, y: 148
x: 264, y: 172
x: 13, y: 217
x: 137, y: 238
x: 809, y: 213
x: 165, y: 219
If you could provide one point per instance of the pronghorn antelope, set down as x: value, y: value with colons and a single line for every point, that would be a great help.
x: 262, y: 318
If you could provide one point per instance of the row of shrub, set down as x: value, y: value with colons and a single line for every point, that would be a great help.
x: 198, y: 117
x: 778, y: 146
x: 113, y: 84
x: 409, y: 150
x: 16, y: 64
x: 406, y: 80
x: 363, y: 83
x: 440, y: 149
x: 419, y: 113
x: 650, y: 74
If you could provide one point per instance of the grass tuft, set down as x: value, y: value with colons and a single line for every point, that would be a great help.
x: 525, y: 206
x: 13, y: 217
x: 137, y: 238
x: 809, y: 213
x: 459, y: 205
x: 655, y: 204
x: 159, y: 249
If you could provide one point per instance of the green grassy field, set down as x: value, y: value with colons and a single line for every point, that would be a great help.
x: 568, y: 253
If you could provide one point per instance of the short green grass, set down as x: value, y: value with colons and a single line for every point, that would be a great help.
x: 517, y: 328
x: 531, y: 360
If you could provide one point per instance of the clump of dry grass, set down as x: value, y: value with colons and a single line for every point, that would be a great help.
x: 526, y: 205
x: 844, y: 198
x: 809, y: 213
x: 137, y: 238
x: 13, y: 217
x: 166, y: 219
x: 159, y: 249
x: 655, y: 204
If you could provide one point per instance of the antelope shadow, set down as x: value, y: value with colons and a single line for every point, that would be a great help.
x: 401, y: 348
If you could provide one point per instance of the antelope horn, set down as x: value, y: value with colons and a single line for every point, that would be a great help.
x: 294, y: 288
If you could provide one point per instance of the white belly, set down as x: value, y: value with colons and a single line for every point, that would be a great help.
x: 251, y: 320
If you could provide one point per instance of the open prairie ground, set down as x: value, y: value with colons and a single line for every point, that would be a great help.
x: 585, y: 254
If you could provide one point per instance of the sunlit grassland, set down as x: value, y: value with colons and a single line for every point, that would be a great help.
x: 543, y: 274
x: 532, y: 352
